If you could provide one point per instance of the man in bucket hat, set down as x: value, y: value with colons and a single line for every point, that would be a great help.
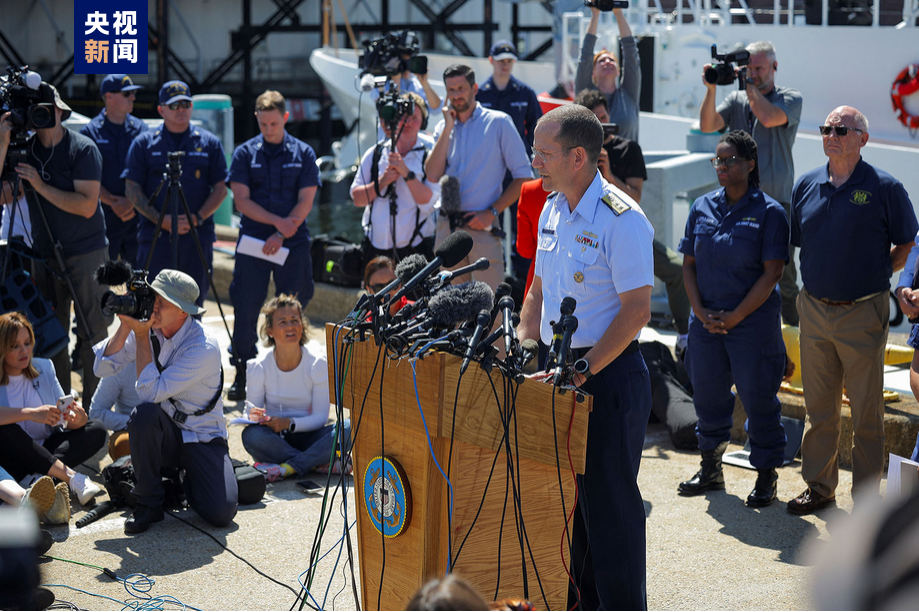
x: 180, y: 422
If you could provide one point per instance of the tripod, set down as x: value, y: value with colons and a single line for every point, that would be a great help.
x: 174, y: 196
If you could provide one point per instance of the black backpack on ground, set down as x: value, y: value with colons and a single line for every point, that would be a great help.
x: 336, y: 261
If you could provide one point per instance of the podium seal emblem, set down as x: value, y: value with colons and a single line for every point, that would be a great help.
x: 387, y: 496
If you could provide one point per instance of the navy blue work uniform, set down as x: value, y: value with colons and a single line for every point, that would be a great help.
x: 274, y: 174
x: 113, y: 141
x: 594, y: 254
x: 203, y: 166
x: 730, y: 245
x: 517, y: 100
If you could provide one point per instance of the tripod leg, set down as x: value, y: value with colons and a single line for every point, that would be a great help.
x: 159, y: 222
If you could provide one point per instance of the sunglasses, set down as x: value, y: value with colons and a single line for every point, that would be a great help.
x: 179, y: 104
x: 730, y: 162
x: 127, y: 94
x: 840, y: 130
x: 378, y: 287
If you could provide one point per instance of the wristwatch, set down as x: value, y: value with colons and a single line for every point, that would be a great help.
x: 583, y: 368
x: 293, y: 427
x: 493, y: 211
x: 410, y: 176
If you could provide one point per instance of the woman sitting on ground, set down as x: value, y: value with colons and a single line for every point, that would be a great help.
x: 35, y: 437
x: 288, y: 396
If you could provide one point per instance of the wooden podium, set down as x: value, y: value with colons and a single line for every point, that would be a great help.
x: 419, y: 552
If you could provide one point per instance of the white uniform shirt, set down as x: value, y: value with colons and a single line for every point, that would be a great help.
x: 592, y: 255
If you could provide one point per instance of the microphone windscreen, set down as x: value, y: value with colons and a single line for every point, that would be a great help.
x: 502, y: 290
x: 409, y: 267
x: 366, y: 82
x: 113, y: 273
x: 568, y: 305
x: 530, y: 346
x: 454, y: 248
x: 449, y: 194
x: 459, y: 303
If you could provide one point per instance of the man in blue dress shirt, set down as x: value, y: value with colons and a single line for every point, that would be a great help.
x: 113, y: 130
x: 594, y: 245
x: 274, y: 179
x: 845, y: 217
x: 204, y: 170
x: 478, y: 147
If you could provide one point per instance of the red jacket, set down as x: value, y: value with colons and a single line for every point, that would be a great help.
x: 529, y: 207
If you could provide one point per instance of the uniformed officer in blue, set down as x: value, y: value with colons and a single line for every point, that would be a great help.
x: 504, y: 92
x: 594, y: 244
x: 204, y: 170
x: 734, y: 250
x: 274, y: 179
x: 113, y: 130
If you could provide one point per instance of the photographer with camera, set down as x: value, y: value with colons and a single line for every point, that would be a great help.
x: 622, y: 164
x: 61, y: 178
x: 770, y: 114
x: 274, y: 179
x: 477, y: 146
x: 180, y: 421
x: 620, y: 85
x: 113, y: 130
x: 412, y: 74
x: 204, y: 171
x: 395, y: 173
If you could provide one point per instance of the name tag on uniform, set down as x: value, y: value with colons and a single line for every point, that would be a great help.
x: 293, y: 165
x: 548, y: 230
x: 255, y: 165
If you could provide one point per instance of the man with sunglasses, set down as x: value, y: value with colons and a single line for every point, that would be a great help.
x: 204, y: 170
x: 845, y: 217
x: 770, y: 114
x: 113, y: 130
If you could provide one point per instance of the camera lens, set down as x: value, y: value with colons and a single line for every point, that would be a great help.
x: 41, y: 117
x: 113, y: 304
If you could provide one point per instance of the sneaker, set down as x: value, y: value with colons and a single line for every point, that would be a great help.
x: 59, y: 513
x: 84, y: 488
x: 45, y: 543
x: 272, y: 471
x: 335, y: 468
x: 39, y: 497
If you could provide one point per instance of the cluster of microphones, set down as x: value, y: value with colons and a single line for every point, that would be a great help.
x: 466, y: 319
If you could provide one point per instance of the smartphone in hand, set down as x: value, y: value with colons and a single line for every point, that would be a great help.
x: 63, y: 405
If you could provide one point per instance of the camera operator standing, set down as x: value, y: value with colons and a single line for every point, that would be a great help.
x: 408, y: 227
x: 64, y: 169
x: 771, y: 115
x: 204, y: 170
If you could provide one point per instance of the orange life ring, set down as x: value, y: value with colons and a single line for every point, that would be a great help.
x: 906, y: 83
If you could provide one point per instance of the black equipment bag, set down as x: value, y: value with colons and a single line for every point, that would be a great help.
x: 250, y: 481
x: 336, y: 261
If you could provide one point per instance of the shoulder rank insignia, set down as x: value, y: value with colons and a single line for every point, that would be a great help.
x: 616, y: 204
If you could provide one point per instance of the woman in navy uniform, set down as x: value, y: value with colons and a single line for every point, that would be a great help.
x: 734, y: 250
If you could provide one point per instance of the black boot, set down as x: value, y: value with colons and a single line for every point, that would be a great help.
x: 710, y: 476
x: 765, y: 489
x: 237, y: 392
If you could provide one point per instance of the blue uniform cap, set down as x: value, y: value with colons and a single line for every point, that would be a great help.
x: 503, y: 49
x: 113, y: 83
x: 173, y: 91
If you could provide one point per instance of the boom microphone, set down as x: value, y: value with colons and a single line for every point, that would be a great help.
x: 450, y: 194
x: 450, y: 252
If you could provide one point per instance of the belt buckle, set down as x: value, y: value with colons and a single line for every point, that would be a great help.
x: 179, y: 416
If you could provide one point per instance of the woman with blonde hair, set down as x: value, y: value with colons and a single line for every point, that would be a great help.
x: 288, y: 398
x: 36, y: 437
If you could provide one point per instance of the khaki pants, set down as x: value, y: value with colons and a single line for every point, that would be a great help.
x: 843, y: 346
x: 485, y: 244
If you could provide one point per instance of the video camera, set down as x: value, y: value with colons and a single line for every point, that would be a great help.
x: 607, y: 5
x: 383, y: 55
x: 725, y: 73
x: 610, y: 129
x: 21, y: 94
x: 392, y: 106
x: 138, y: 300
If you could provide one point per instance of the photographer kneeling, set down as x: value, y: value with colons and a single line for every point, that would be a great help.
x: 180, y: 420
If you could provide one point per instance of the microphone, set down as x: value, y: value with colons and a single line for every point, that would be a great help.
x: 569, y: 325
x: 506, y: 305
x: 529, y: 348
x: 366, y: 82
x: 450, y: 194
x: 449, y: 307
x: 482, y: 323
x: 450, y: 252
x: 480, y: 264
x: 567, y: 307
x: 502, y: 290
